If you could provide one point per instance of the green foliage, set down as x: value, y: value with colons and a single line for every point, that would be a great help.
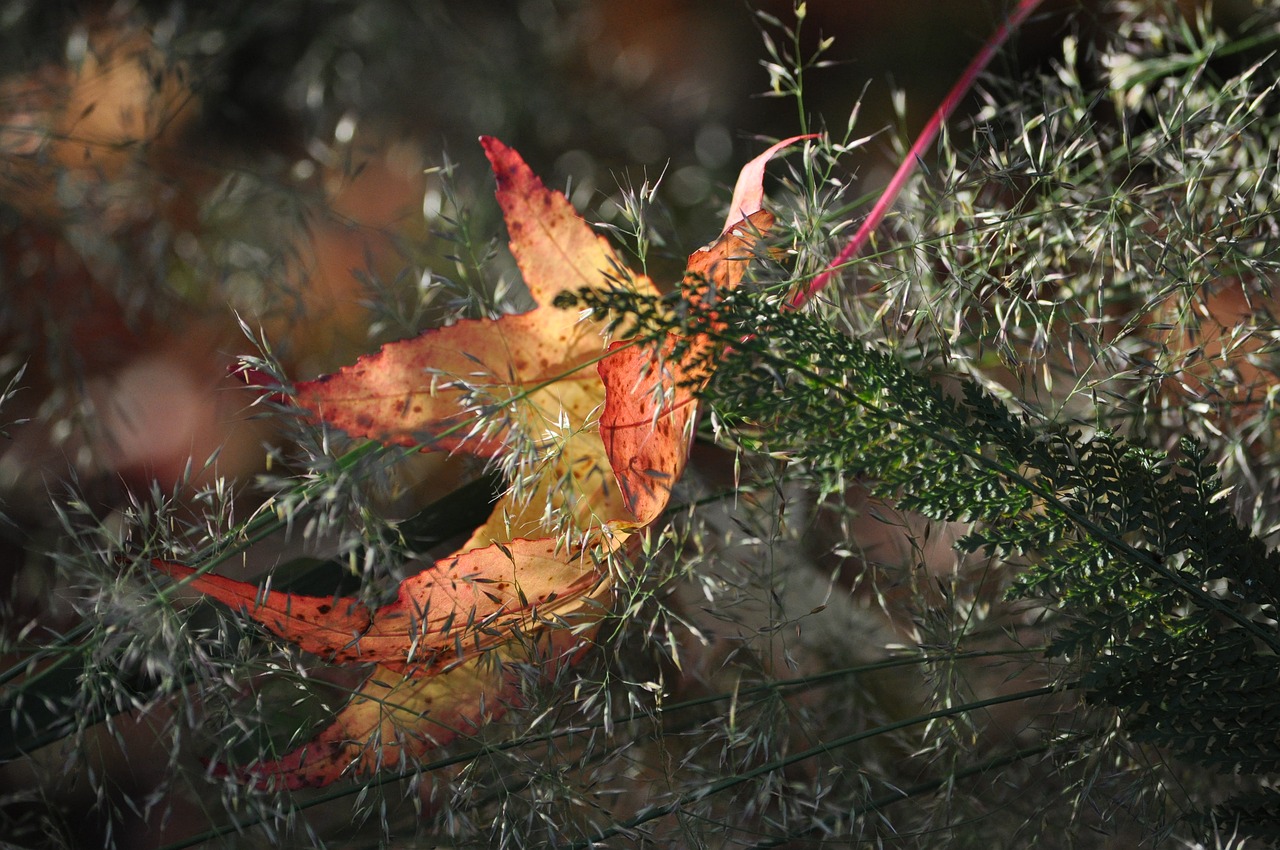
x: 1164, y: 607
x: 1253, y: 815
x: 1170, y: 605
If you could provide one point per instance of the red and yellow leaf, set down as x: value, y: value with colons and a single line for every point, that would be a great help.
x: 516, y: 383
x: 454, y: 609
x: 481, y: 386
x: 394, y: 720
x: 432, y: 388
x: 647, y: 422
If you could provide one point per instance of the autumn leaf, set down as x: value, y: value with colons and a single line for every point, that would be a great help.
x: 651, y: 396
x: 463, y: 604
x: 394, y: 719
x: 426, y: 390
x: 439, y: 645
x: 647, y: 421
x: 487, y: 387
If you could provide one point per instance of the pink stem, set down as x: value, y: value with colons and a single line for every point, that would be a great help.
x: 908, y: 166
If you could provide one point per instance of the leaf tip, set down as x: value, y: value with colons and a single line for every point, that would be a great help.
x: 748, y: 193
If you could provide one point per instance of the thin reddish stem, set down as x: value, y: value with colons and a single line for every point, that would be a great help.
x: 988, y: 52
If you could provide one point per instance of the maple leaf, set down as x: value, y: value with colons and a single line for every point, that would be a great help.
x: 465, y: 603
x: 476, y: 386
x: 647, y: 421
x: 395, y: 719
